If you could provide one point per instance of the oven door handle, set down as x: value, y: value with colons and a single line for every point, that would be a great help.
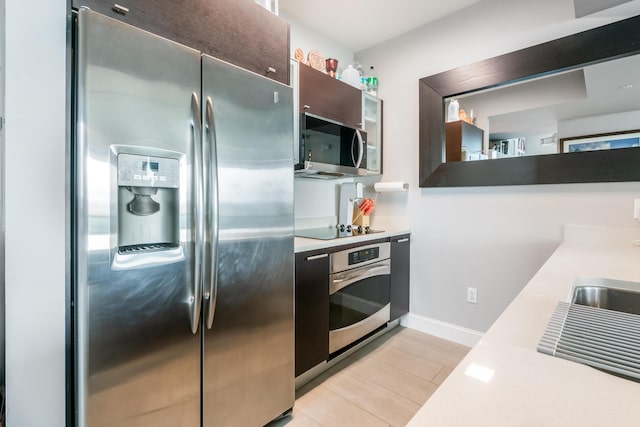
x: 341, y: 280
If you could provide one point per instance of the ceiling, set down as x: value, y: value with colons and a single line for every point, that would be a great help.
x: 536, y: 107
x: 361, y: 24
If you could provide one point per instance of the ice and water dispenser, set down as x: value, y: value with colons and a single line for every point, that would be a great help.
x: 148, y: 203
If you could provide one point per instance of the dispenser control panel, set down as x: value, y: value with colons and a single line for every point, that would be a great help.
x: 148, y: 171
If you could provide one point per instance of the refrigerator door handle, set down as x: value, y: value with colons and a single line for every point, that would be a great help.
x: 211, y: 294
x: 197, y: 220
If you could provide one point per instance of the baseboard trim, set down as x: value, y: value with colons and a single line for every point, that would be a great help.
x: 448, y: 331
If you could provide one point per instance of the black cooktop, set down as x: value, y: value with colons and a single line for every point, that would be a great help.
x: 329, y: 233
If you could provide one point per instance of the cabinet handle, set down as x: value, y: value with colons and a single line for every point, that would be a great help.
x: 306, y: 107
x: 311, y: 258
x: 271, y: 70
x: 120, y: 9
x: 406, y: 239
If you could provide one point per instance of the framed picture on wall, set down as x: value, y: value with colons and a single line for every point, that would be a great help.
x: 603, y: 141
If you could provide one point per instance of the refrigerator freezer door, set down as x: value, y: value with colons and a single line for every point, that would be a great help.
x: 138, y: 361
x: 248, y: 376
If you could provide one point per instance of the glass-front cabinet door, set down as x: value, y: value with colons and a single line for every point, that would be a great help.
x: 372, y: 125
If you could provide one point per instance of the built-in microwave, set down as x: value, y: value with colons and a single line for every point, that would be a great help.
x: 329, y: 149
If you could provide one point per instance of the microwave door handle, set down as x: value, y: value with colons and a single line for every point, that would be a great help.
x: 197, y: 223
x: 212, y: 213
x: 360, y: 148
x: 353, y: 157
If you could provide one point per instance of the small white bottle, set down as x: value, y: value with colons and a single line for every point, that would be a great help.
x: 453, y: 111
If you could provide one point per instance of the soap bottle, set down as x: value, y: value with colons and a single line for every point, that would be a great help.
x: 372, y: 83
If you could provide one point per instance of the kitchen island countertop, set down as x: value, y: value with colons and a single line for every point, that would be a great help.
x: 504, y: 381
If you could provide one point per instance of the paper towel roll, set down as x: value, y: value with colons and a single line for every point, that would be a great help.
x: 382, y: 187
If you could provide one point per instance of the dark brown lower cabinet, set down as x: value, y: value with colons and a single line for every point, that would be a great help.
x: 400, y: 266
x: 236, y: 31
x: 311, y: 309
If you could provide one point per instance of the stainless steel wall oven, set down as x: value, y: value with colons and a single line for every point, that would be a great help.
x: 359, y: 293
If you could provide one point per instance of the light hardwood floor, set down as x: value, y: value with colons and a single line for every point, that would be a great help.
x: 382, y: 384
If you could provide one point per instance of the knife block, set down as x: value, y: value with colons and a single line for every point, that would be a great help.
x: 360, y: 218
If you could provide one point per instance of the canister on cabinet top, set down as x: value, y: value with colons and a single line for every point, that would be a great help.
x: 453, y: 111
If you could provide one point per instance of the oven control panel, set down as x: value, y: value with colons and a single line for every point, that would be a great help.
x: 359, y: 256
x: 364, y: 255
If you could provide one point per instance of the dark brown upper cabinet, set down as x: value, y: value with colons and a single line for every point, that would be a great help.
x: 330, y: 98
x: 459, y: 135
x: 613, y: 41
x: 237, y: 31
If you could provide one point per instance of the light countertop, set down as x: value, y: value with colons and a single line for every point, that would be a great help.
x: 522, y: 387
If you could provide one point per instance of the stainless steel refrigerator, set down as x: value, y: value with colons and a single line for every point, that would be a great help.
x: 183, y: 234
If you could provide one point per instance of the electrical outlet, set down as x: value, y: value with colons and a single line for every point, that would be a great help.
x: 636, y: 209
x: 472, y: 295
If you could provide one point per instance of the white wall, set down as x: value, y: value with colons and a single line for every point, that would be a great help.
x: 534, y: 147
x: 317, y: 201
x: 491, y: 238
x: 307, y: 39
x: 35, y: 212
x: 629, y: 120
